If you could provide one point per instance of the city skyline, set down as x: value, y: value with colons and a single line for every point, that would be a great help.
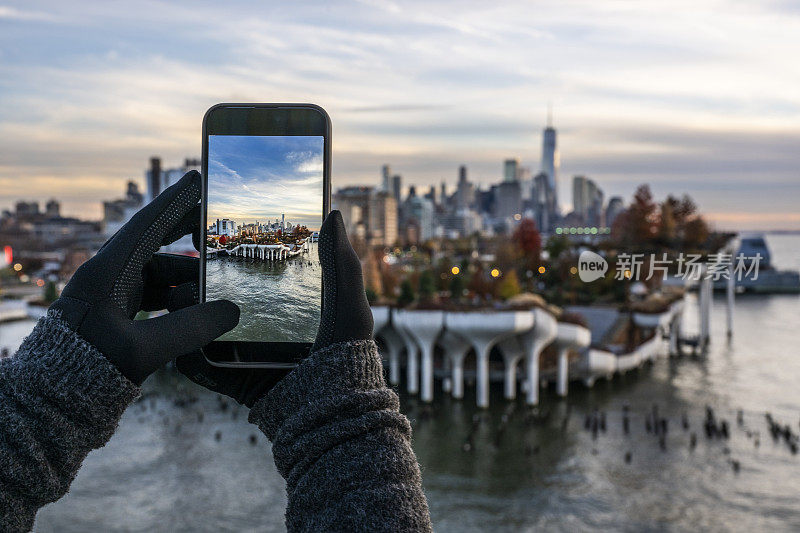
x: 640, y: 94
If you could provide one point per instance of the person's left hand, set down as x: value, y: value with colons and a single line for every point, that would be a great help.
x: 126, y: 275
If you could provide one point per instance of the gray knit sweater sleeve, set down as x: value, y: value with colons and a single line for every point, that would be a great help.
x: 59, y: 399
x: 343, y: 446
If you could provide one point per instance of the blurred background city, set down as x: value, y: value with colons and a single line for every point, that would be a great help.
x: 479, y: 153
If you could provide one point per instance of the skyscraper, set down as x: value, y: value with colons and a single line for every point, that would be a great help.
x: 510, y: 170
x: 550, y: 158
x: 465, y: 191
x: 616, y: 205
x: 397, y: 187
x: 154, y: 178
x: 385, y: 185
x: 587, y: 201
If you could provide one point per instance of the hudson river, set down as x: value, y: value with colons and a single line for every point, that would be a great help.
x: 279, y: 300
x: 165, y: 470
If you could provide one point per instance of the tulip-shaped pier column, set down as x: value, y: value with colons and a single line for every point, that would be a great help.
x: 675, y: 327
x: 512, y: 352
x: 412, y: 352
x: 568, y: 337
x: 424, y: 327
x: 545, y: 329
x: 484, y: 330
x: 455, y: 350
x: 394, y: 345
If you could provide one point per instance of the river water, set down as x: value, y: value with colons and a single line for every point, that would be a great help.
x: 165, y: 470
x: 279, y: 300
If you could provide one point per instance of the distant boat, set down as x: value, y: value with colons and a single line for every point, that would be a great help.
x: 769, y: 280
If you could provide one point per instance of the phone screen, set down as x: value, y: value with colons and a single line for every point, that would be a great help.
x: 263, y: 215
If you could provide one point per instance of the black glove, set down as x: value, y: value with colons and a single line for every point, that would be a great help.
x: 106, y: 292
x: 346, y: 316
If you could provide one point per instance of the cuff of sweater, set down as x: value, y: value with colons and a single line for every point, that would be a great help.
x: 339, y: 368
x: 54, y: 362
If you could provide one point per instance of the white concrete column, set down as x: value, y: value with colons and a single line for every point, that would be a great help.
x: 482, y: 368
x: 704, y: 295
x: 532, y: 378
x: 457, y: 375
x: 483, y: 330
x: 426, y: 373
x: 562, y: 377
x: 455, y: 348
x: 673, y: 335
x: 424, y: 326
x: 447, y: 382
x: 394, y: 367
x: 412, y: 373
x: 730, y: 291
x: 512, y: 353
x: 568, y: 337
x: 510, y: 379
x: 545, y: 329
x: 394, y: 344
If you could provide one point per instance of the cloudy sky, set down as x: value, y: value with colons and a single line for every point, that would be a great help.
x: 689, y: 96
x: 256, y: 179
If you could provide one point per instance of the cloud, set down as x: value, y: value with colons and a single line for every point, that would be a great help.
x: 12, y: 13
x: 692, y: 95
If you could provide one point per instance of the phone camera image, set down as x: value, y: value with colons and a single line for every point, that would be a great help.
x: 263, y: 215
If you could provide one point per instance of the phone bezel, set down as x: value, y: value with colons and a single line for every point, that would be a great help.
x: 263, y: 118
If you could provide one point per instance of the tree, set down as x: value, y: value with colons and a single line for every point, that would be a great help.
x: 480, y: 284
x: 50, y: 292
x: 372, y: 296
x: 372, y: 271
x: 667, y: 224
x: 528, y: 241
x: 557, y: 245
x: 388, y: 282
x: 427, y: 287
x: 642, y: 216
x: 457, y: 287
x: 696, y: 232
x: 508, y: 286
x: 407, y: 295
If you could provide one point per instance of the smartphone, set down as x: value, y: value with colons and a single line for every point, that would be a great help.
x: 266, y: 191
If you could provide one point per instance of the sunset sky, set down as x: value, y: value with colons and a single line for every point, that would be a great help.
x: 700, y: 97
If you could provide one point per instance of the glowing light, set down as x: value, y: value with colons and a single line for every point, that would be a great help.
x: 573, y: 270
x: 541, y: 270
x: 40, y: 282
x: 495, y: 273
x: 24, y: 278
x: 559, y: 231
x: 517, y: 217
x: 455, y: 271
x: 628, y: 274
x: 17, y: 267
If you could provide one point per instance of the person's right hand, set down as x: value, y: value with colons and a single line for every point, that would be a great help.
x: 346, y: 316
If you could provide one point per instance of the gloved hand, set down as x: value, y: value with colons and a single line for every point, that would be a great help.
x: 346, y: 316
x: 126, y: 275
